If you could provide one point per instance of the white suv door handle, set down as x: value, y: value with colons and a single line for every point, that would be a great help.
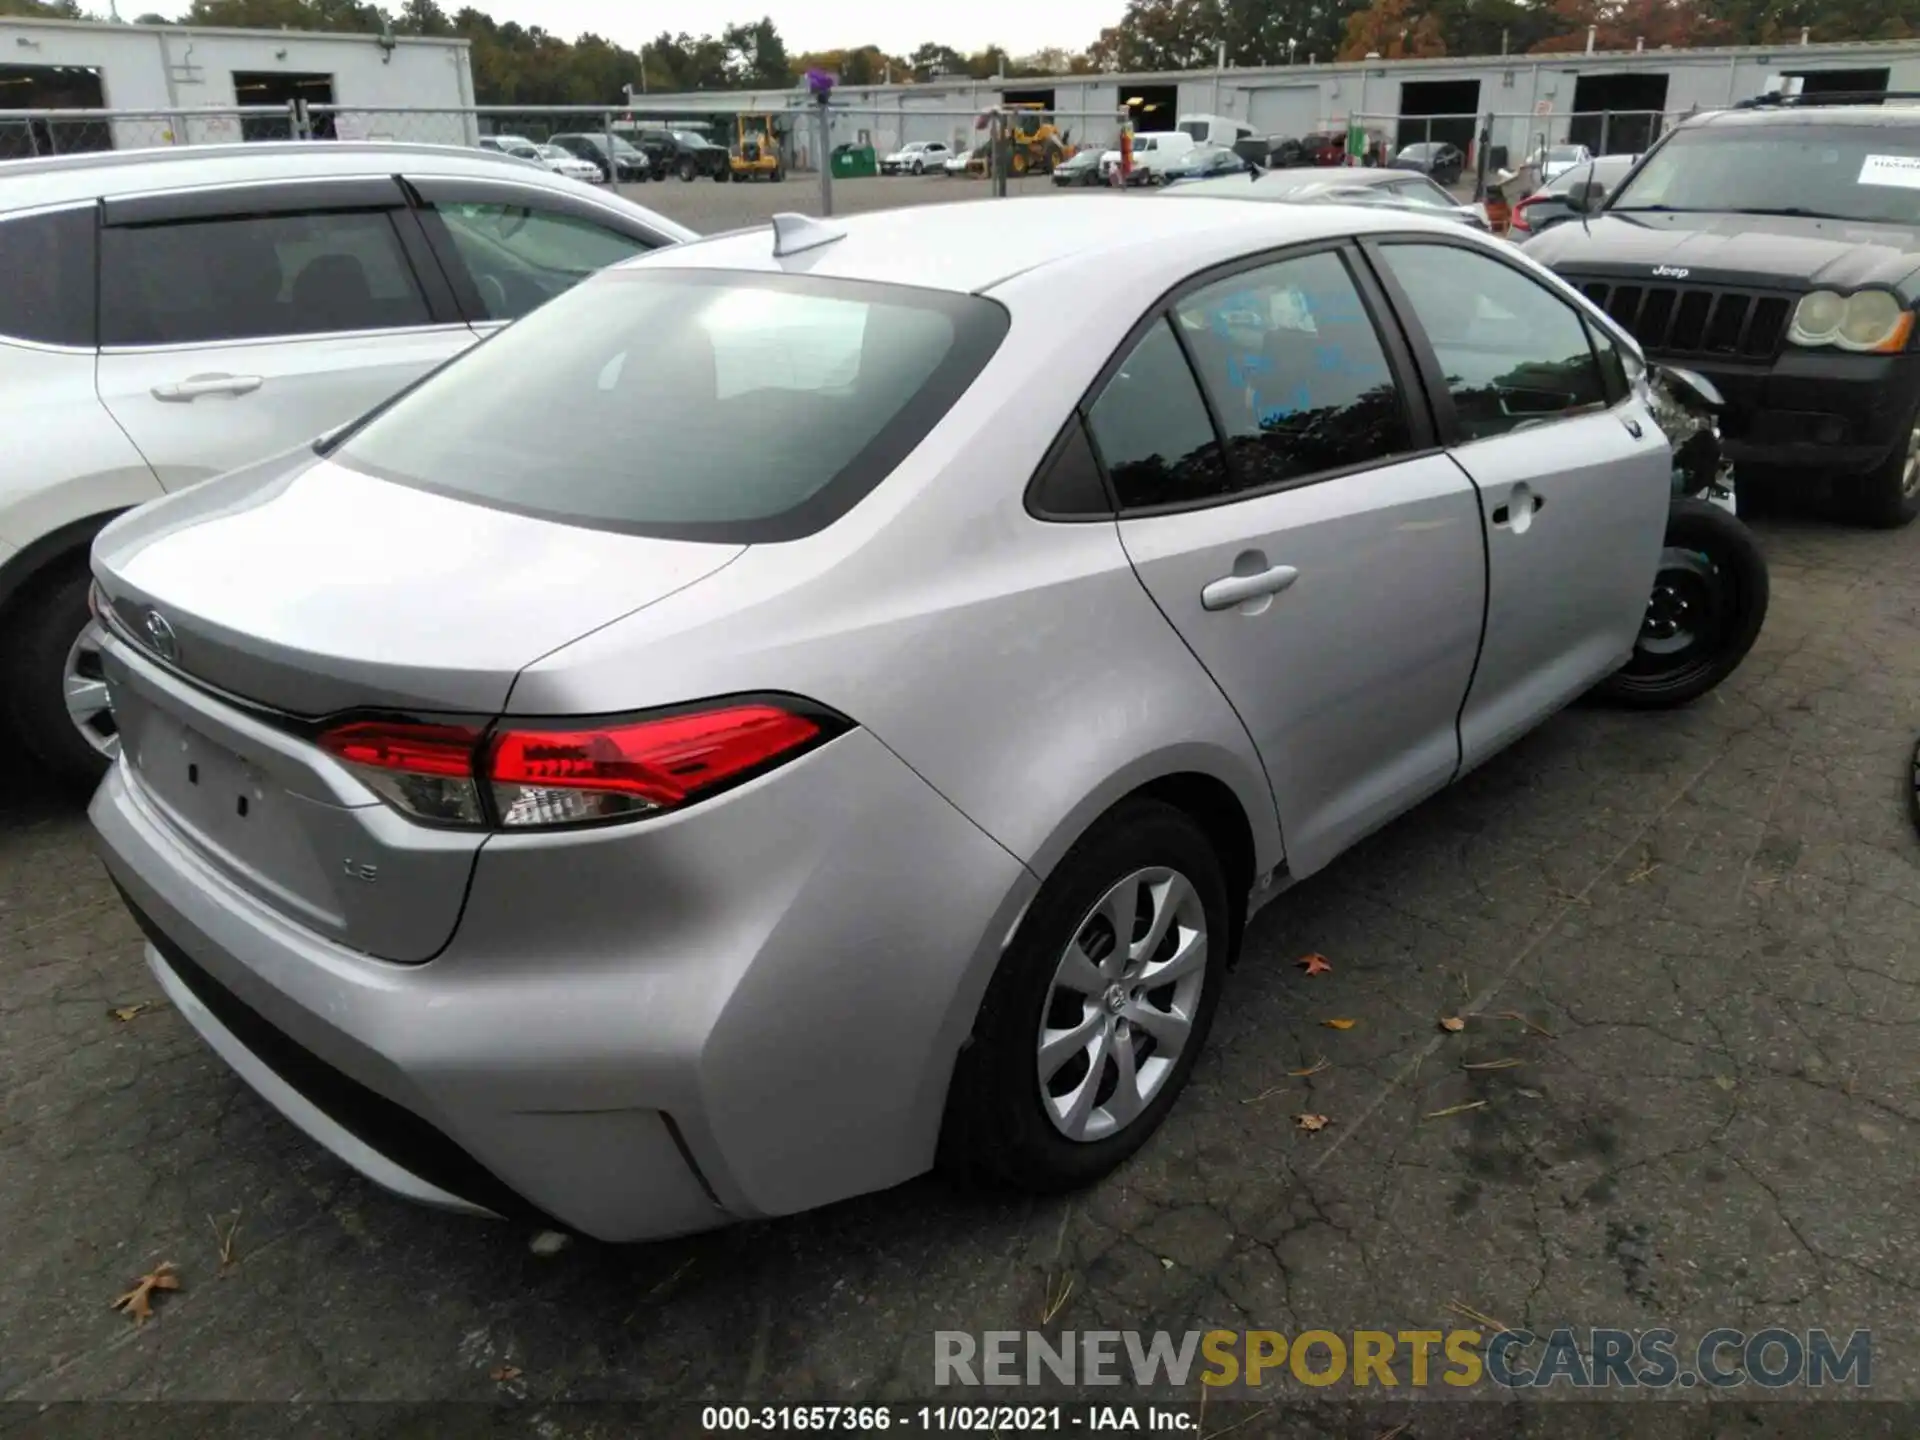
x: 199, y: 385
x: 1232, y: 590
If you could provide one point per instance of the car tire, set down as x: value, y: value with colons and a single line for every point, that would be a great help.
x: 1708, y: 604
x: 778, y: 175
x: 1009, y: 1119
x: 47, y: 624
x: 1887, y: 497
x: 918, y: 168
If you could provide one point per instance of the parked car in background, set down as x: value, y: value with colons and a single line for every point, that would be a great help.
x: 199, y: 308
x: 571, y: 166
x: 685, y: 153
x: 1081, y: 168
x: 1352, y: 185
x: 1776, y: 250
x: 1272, y: 152
x: 519, y: 147
x: 1205, y: 162
x: 1216, y: 130
x: 626, y: 166
x: 1329, y: 147
x: 1553, y: 202
x: 1556, y: 160
x: 1436, y: 159
x: 955, y: 166
x: 916, y: 157
x: 698, y: 867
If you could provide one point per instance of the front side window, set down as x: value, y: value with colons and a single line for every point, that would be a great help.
x: 1153, y: 432
x: 49, y: 294
x: 254, y: 277
x: 521, y: 257
x: 692, y: 404
x: 1512, y: 352
x: 1295, y: 371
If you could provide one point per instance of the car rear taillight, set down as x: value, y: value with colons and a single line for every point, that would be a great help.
x: 519, y: 776
x: 1518, y: 220
x: 573, y: 776
x: 425, y: 771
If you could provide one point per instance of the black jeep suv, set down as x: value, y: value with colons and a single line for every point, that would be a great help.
x: 1775, y: 248
x: 685, y: 153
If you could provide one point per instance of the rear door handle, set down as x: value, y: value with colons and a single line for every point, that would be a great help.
x: 1232, y: 590
x: 198, y: 385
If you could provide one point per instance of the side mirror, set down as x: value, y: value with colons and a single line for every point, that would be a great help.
x: 1586, y: 197
x: 1691, y: 389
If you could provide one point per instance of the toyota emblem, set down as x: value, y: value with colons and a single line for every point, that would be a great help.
x: 160, y: 636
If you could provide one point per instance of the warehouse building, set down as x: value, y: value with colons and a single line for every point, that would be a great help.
x: 1610, y: 101
x: 171, y: 83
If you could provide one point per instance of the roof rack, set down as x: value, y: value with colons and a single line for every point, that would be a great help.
x: 1775, y: 100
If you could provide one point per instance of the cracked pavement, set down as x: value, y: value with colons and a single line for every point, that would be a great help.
x: 1707, y: 919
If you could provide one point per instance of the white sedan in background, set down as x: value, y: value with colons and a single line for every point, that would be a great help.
x: 916, y: 158
x: 571, y: 166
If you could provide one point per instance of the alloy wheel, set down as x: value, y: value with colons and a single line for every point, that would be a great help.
x: 84, y: 681
x: 1121, y: 1004
x: 1910, y: 474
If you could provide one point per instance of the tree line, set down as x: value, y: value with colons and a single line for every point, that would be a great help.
x: 516, y: 64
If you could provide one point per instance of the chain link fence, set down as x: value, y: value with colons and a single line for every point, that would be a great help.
x: 1521, y: 142
x: 25, y: 134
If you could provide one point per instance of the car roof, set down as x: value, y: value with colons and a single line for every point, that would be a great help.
x: 971, y: 246
x: 54, y: 180
x: 1892, y: 116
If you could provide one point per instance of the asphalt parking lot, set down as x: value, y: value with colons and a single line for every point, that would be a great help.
x: 1695, y: 933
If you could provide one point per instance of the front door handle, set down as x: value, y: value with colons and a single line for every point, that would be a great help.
x: 1522, y: 505
x: 198, y: 385
x: 1232, y: 590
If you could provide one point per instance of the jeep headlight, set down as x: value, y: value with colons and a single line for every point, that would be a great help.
x: 1865, y: 321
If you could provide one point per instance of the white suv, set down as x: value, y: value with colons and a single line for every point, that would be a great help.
x: 173, y: 314
x: 916, y: 157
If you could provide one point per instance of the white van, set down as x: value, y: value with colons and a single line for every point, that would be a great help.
x: 1220, y: 130
x: 1154, y: 150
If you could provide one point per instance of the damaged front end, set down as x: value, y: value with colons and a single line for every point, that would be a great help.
x: 1687, y: 408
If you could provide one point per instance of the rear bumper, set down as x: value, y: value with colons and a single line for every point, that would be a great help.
x: 638, y: 1032
x: 1822, y: 412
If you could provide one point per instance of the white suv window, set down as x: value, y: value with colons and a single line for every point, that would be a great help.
x: 520, y: 257
x: 255, y: 277
x: 54, y: 307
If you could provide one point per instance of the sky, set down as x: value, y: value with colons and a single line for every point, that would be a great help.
x: 896, y: 26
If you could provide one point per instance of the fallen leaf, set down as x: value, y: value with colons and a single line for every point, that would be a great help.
x: 1452, y: 1024
x: 1339, y: 1024
x: 1725, y: 1082
x: 1056, y: 1303
x: 225, y: 1235
x: 548, y: 1242
x: 1263, y: 1095
x: 124, y: 1013
x: 1506, y: 1064
x: 1165, y: 1263
x: 506, y: 1373
x: 138, y: 1302
x: 1311, y: 1122
x: 1456, y: 1110
x: 1314, y: 1069
x: 1475, y: 1315
x: 1314, y: 964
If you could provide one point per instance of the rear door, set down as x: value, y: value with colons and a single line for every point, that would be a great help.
x: 1295, y: 521
x: 1574, y: 478
x: 239, y: 322
x: 509, y: 248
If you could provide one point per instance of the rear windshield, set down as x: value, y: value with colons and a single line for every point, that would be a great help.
x: 1819, y: 169
x: 703, y: 405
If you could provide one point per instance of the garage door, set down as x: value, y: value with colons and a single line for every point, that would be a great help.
x: 1290, y: 110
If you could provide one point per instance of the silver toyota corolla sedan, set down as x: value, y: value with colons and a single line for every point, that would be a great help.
x: 827, y: 698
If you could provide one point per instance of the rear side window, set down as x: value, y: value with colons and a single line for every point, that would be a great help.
x: 690, y: 404
x: 1153, y: 430
x: 53, y: 303
x: 254, y: 277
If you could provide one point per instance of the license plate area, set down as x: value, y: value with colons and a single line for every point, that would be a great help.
x: 207, y: 787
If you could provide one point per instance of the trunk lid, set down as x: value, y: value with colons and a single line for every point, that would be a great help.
x: 246, y: 608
